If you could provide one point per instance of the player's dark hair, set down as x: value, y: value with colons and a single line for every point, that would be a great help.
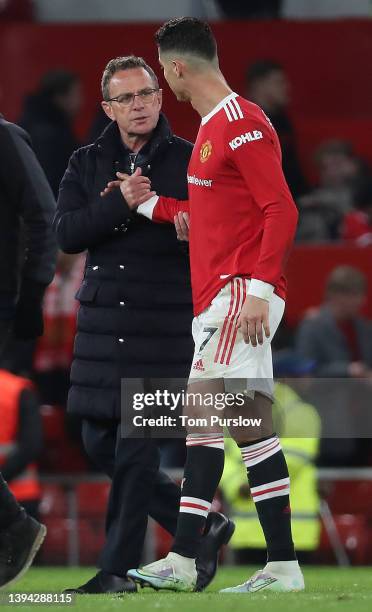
x: 124, y: 63
x: 261, y: 69
x: 187, y: 35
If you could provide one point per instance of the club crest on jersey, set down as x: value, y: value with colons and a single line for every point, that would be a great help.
x: 205, y: 151
x: 243, y: 138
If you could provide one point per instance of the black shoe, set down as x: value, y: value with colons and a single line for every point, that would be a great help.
x: 218, y: 531
x: 18, y: 547
x: 105, y: 583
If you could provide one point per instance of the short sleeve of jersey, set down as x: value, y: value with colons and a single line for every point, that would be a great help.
x: 251, y: 145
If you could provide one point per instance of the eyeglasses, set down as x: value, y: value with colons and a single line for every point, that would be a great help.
x: 147, y: 96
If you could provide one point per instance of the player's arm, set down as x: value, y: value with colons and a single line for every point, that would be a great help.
x: 137, y: 193
x: 258, y: 161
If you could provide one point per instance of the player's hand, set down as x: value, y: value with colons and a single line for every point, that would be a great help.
x: 136, y: 189
x: 254, y: 320
x: 182, y: 224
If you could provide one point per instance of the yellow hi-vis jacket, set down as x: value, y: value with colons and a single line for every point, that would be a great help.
x: 292, y: 417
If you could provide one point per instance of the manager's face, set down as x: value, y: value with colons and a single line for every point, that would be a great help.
x: 136, y: 115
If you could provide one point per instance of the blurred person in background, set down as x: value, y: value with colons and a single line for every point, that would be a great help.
x: 21, y: 439
x: 16, y: 10
x: 298, y: 426
x: 357, y: 224
x: 254, y: 9
x: 339, y: 340
x: 323, y: 209
x: 99, y: 123
x: 268, y: 86
x: 27, y: 263
x: 48, y: 116
x: 135, y: 312
x: 335, y: 335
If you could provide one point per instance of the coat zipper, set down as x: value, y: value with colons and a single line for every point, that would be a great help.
x: 132, y: 157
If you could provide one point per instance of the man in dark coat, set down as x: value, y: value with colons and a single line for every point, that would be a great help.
x: 27, y: 263
x: 135, y: 312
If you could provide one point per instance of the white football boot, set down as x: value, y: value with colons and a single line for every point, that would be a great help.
x: 175, y: 573
x: 279, y: 576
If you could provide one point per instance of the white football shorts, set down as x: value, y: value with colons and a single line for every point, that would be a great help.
x: 220, y: 350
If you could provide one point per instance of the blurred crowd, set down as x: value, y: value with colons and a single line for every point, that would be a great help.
x: 337, y: 208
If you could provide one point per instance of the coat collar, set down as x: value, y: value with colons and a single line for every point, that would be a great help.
x: 110, y: 142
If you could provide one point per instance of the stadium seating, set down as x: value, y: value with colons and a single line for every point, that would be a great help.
x: 353, y: 497
x: 353, y: 532
x: 60, y: 454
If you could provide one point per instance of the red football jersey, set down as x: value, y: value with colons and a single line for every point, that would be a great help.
x: 242, y: 215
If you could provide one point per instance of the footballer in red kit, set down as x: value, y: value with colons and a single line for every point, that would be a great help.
x: 242, y: 222
x: 236, y: 190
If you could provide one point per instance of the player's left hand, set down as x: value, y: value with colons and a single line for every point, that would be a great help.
x: 254, y: 319
x: 182, y: 224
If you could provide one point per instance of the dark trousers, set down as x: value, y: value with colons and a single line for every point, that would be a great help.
x: 138, y: 489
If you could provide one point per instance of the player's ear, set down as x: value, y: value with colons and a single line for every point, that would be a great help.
x: 107, y: 108
x: 177, y: 68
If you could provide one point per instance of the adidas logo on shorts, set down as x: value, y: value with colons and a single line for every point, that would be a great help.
x: 198, y: 365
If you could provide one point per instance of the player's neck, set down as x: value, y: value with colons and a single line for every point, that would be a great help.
x: 208, y: 91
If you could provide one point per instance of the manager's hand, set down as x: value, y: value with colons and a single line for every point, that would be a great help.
x: 253, y: 317
x: 111, y: 185
x: 136, y: 189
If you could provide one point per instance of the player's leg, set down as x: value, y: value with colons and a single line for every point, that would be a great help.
x: 266, y: 466
x: 268, y: 480
x: 202, y: 473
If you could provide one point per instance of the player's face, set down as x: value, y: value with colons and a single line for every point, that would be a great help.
x: 171, y: 75
x: 141, y: 115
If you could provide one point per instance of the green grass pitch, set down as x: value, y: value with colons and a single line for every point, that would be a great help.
x: 333, y: 589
